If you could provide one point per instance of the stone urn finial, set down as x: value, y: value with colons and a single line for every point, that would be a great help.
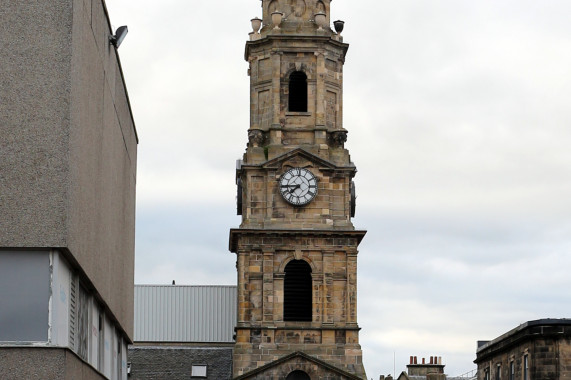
x: 256, y: 24
x: 339, y: 26
x: 277, y: 19
x: 320, y: 20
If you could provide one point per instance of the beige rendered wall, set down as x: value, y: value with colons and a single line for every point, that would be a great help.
x: 68, y: 146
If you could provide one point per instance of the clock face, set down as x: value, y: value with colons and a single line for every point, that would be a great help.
x: 298, y: 186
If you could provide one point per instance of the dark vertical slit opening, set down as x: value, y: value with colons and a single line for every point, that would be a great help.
x: 298, y: 92
x: 297, y: 291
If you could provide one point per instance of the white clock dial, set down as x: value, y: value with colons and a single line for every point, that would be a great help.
x: 298, y: 186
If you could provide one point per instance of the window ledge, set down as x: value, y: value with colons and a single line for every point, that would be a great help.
x: 298, y: 113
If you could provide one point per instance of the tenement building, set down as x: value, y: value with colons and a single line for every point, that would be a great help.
x: 68, y: 153
x: 296, y: 247
x: 432, y: 369
x: 535, y: 350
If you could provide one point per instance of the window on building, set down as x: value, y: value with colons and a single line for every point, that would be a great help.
x: 78, y: 319
x: 83, y: 323
x: 525, y: 368
x: 100, y: 343
x: 499, y: 372
x: 487, y: 374
x: 297, y: 92
x: 25, y: 295
x: 297, y: 291
x: 198, y: 370
x: 298, y: 375
x: 119, y: 358
x: 512, y: 370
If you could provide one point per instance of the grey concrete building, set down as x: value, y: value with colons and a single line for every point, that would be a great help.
x: 68, y: 153
x: 535, y: 350
x: 183, y: 332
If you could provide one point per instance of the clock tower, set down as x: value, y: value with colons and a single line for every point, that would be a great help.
x: 296, y: 246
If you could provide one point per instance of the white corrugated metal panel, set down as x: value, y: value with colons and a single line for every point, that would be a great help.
x: 165, y: 313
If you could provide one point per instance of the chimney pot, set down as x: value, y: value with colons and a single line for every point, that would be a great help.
x: 423, y: 361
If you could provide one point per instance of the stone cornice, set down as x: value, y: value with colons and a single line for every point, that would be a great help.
x: 285, y: 38
x: 236, y: 233
x: 538, y: 329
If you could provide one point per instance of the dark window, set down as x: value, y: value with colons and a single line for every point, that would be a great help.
x: 525, y: 368
x: 499, y: 372
x: 119, y: 359
x: 101, y: 344
x: 297, y: 291
x: 512, y: 371
x: 25, y: 295
x: 298, y: 375
x: 83, y: 329
x: 298, y: 92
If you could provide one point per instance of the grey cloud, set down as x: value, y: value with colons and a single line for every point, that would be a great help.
x: 458, y: 117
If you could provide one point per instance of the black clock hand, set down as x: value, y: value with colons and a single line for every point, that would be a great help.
x: 295, y: 187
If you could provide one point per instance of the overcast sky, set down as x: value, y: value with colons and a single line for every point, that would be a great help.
x: 459, y: 119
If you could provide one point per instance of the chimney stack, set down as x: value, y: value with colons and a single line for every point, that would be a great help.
x: 431, y: 365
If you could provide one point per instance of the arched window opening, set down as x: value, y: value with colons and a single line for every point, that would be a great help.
x: 298, y: 375
x: 297, y: 92
x: 297, y: 291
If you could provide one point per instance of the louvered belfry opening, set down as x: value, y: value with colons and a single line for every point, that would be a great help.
x: 298, y: 375
x: 298, y: 92
x: 297, y: 291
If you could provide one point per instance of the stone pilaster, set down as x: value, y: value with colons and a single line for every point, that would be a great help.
x: 268, y: 286
x: 320, y: 93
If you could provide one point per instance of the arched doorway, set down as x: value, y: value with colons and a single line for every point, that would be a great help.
x: 298, y: 375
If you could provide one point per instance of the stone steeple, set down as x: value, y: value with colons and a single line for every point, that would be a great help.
x: 298, y: 17
x: 296, y: 101
x: 294, y: 43
x: 296, y: 246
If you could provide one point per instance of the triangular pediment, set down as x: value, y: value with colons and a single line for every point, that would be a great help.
x: 297, y: 157
x: 297, y: 361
